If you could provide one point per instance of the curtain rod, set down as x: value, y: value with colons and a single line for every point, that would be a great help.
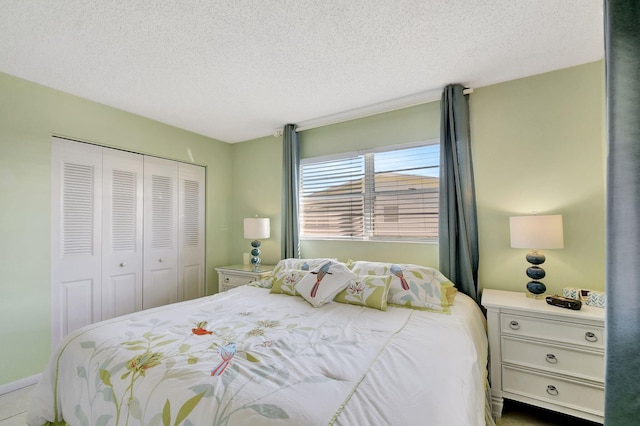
x: 379, y: 108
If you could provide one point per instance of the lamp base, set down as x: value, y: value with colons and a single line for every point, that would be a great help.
x: 255, y: 252
x: 536, y: 289
x: 535, y: 296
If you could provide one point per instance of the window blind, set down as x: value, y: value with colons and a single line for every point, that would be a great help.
x: 386, y: 195
x: 332, y: 198
x: 404, y: 187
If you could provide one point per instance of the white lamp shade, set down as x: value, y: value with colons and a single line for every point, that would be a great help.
x: 537, y: 232
x: 256, y: 228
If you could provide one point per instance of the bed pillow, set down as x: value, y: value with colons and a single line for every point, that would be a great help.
x: 289, y: 263
x: 266, y: 283
x: 323, y: 282
x: 285, y: 281
x: 412, y: 286
x: 300, y: 264
x: 366, y: 290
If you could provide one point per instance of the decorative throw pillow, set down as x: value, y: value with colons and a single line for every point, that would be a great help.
x: 285, y: 280
x: 412, y: 286
x: 323, y: 282
x: 366, y: 290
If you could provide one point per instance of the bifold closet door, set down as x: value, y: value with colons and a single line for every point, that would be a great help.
x: 160, y: 276
x: 127, y: 233
x: 191, y: 231
x: 122, y: 232
x: 76, y: 248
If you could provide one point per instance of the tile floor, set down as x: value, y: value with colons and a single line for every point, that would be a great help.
x: 13, y: 407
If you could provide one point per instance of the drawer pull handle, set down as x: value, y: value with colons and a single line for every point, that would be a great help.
x: 590, y: 337
x: 123, y: 264
x: 551, y: 359
x: 552, y: 390
x: 514, y: 325
x: 226, y: 279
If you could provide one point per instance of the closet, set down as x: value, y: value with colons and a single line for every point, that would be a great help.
x: 127, y: 233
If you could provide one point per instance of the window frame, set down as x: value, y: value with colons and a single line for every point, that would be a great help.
x: 368, y: 196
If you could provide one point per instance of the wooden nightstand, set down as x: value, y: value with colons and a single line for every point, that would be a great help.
x: 237, y: 275
x: 544, y: 355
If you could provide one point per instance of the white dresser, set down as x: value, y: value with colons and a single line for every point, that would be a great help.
x: 237, y: 275
x: 544, y: 355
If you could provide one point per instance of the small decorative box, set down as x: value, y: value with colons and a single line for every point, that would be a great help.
x: 572, y: 293
x: 597, y: 299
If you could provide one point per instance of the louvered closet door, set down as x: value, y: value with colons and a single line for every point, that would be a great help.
x: 75, y: 241
x: 191, y: 231
x: 160, y: 277
x: 122, y: 232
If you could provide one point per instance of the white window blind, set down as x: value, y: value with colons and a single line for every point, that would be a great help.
x: 384, y: 195
x: 332, y: 198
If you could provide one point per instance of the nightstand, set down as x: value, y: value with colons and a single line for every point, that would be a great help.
x: 237, y: 275
x: 544, y: 355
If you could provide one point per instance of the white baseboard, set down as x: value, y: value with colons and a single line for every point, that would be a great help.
x: 19, y: 384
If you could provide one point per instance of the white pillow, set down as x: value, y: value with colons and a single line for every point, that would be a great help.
x: 300, y: 264
x: 323, y: 282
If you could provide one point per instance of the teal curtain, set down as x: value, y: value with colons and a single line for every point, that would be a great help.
x: 622, y: 65
x: 458, y: 226
x: 290, y: 246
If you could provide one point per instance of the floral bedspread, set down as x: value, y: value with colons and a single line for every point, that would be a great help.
x: 240, y: 357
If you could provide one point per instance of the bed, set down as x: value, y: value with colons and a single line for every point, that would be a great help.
x: 262, y: 354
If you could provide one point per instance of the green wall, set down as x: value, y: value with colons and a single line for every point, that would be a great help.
x: 538, y: 145
x: 257, y: 182
x: 29, y: 115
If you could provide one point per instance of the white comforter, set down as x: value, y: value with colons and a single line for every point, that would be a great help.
x: 249, y: 357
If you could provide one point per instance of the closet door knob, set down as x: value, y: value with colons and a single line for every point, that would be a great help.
x: 123, y: 264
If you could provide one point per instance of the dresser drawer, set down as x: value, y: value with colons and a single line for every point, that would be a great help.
x: 229, y: 280
x: 559, y: 331
x: 577, y: 395
x: 554, y: 358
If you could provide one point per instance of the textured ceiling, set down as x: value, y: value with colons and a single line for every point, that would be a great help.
x: 236, y: 70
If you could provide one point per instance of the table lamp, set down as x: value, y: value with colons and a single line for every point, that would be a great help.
x: 535, y: 233
x: 256, y: 228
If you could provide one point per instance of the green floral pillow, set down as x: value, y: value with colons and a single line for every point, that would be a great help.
x: 366, y: 290
x: 285, y: 281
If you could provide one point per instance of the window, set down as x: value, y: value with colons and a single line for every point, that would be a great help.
x: 389, y: 194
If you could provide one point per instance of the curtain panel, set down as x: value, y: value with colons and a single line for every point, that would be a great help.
x: 290, y: 246
x: 622, y: 65
x: 458, y: 225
